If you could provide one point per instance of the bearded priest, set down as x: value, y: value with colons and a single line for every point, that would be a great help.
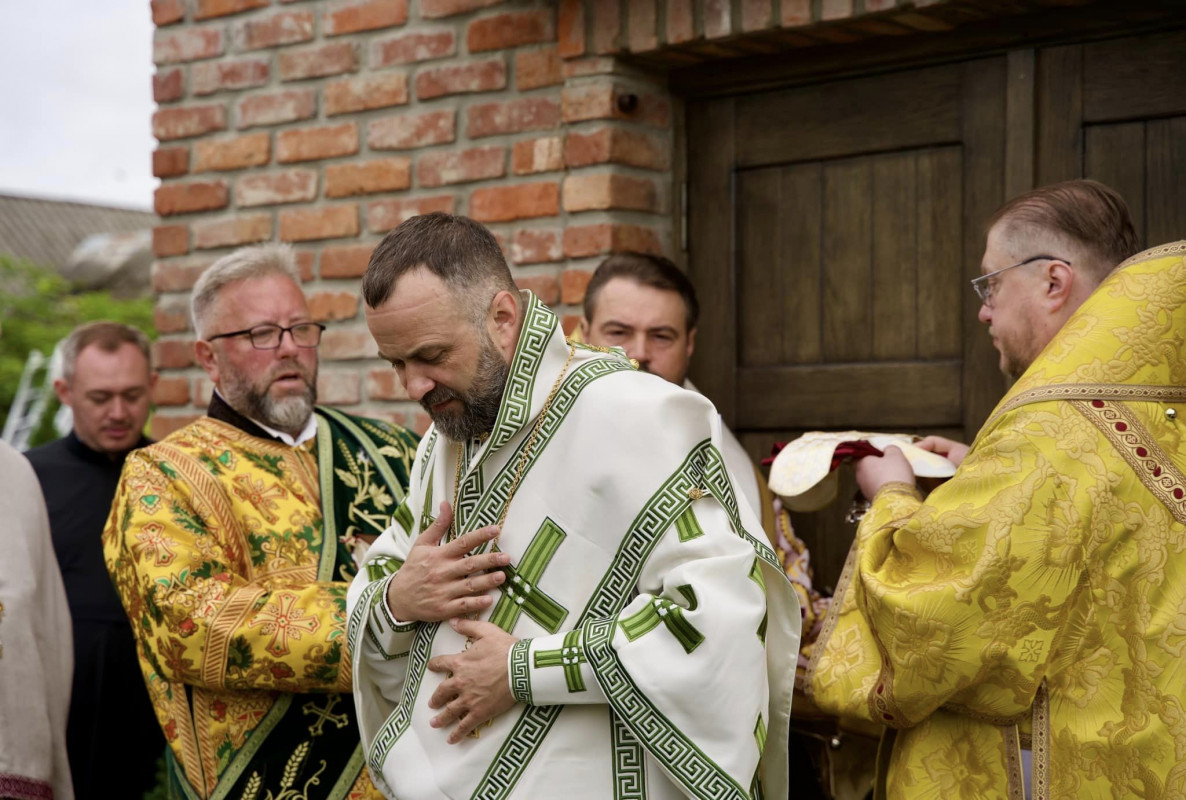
x: 232, y: 542
x: 572, y: 602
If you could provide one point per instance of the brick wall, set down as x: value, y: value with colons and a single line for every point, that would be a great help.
x: 326, y: 123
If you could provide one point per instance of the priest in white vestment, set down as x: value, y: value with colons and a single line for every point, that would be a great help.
x: 573, y: 602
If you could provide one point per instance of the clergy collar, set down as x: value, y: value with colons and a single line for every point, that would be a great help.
x: 221, y: 410
x: 83, y: 451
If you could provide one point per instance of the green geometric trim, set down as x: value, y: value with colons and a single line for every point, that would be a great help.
x: 570, y: 657
x: 521, y: 593
x: 687, y: 527
x: 630, y: 767
x: 428, y: 448
x: 403, y: 516
x: 521, y: 672
x: 662, y: 610
x: 381, y: 566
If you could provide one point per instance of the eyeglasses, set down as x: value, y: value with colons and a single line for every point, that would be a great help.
x: 985, y: 284
x: 267, y: 337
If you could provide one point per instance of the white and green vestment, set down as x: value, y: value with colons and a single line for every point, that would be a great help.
x: 657, y: 632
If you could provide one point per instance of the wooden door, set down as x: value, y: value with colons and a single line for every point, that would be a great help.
x: 833, y: 229
x: 1116, y: 111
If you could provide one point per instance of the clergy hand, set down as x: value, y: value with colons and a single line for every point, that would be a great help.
x: 951, y: 450
x: 476, y: 688
x: 440, y: 581
x: 873, y: 472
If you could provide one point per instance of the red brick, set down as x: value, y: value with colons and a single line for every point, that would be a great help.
x: 433, y: 9
x: 232, y: 231
x: 438, y: 168
x: 512, y: 116
x: 368, y: 177
x: 570, y: 28
x: 170, y: 161
x: 512, y: 29
x: 317, y: 62
x: 178, y: 274
x: 170, y: 240
x: 641, y: 24
x: 593, y: 65
x: 603, y: 191
x: 617, y: 145
x: 583, y: 241
x: 304, y: 262
x: 167, y: 12
x: 171, y: 391
x: 718, y: 18
x: 345, y: 261
x: 285, y: 27
x: 205, y: 9
x: 182, y: 198
x: 572, y: 286
x: 505, y: 203
x: 537, y: 68
x: 383, y: 384
x: 313, y: 144
x: 569, y: 323
x: 164, y: 424
x: 600, y: 101
x: 408, y: 48
x: 607, y: 27
x: 309, y: 224
x: 835, y: 9
x: 203, y: 391
x: 478, y: 76
x: 181, y: 123
x: 411, y: 131
x: 545, y: 154
x: 168, y: 85
x: 338, y: 388
x: 375, y: 90
x: 368, y: 15
x: 545, y: 287
x: 270, y: 188
x: 171, y: 316
x: 338, y: 344
x: 216, y: 76
x: 249, y: 150
x: 383, y: 215
x: 681, y: 22
x: 532, y: 246
x: 796, y: 13
x: 173, y: 353
x: 333, y: 306
x: 189, y: 44
x: 276, y: 108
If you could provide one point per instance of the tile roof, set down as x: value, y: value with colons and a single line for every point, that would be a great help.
x: 47, y: 231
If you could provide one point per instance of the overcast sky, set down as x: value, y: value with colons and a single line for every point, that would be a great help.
x: 76, y: 100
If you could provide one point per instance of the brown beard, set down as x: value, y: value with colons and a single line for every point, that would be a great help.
x: 479, y: 404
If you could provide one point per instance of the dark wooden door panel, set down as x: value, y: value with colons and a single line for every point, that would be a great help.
x: 1135, y: 78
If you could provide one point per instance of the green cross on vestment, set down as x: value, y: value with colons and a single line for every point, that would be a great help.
x: 382, y: 566
x: 570, y: 656
x: 662, y: 610
x: 520, y: 592
x: 755, y: 575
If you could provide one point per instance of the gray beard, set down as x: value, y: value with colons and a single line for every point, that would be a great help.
x: 479, y: 406
x: 288, y: 414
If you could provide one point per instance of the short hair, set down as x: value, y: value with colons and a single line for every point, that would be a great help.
x: 108, y: 336
x: 245, y: 263
x: 458, y: 250
x: 1086, y: 211
x: 649, y: 270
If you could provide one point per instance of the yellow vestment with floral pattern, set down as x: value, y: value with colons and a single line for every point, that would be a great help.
x: 1038, y: 598
x: 232, y: 555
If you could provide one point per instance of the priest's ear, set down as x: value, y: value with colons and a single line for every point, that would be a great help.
x: 206, y: 357
x: 503, y: 322
x: 1060, y: 286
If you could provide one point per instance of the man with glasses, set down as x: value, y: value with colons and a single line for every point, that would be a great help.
x: 1036, y: 602
x: 232, y: 543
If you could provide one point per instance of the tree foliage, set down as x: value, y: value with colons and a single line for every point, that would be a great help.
x: 37, y: 309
